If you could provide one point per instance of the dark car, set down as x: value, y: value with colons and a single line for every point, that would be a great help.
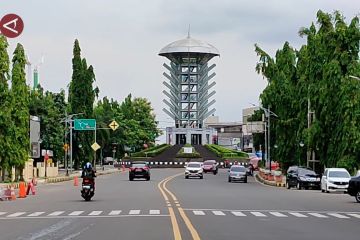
x: 139, y: 170
x: 354, y: 188
x: 302, y: 177
x: 210, y: 166
x: 237, y: 173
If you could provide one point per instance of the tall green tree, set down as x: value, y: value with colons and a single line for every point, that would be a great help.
x: 5, y: 106
x: 20, y: 109
x: 316, y: 76
x: 50, y: 107
x: 81, y: 100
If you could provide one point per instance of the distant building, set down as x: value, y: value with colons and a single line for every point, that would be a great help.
x: 229, y: 134
x: 249, y: 128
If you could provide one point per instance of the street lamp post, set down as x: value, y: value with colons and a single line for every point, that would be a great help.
x: 268, y: 114
x: 301, y: 144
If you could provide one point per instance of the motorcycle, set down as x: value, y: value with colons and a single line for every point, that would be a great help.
x: 88, y: 189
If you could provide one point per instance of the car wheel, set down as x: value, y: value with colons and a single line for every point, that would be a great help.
x: 245, y: 181
x: 148, y: 178
x: 298, y: 186
x: 186, y: 177
x: 131, y: 178
x: 288, y: 185
x: 229, y: 180
x: 357, y: 196
x: 201, y: 177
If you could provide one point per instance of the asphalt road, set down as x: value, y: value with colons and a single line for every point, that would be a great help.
x: 172, y: 207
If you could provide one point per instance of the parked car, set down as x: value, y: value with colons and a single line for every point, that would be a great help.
x: 194, y: 169
x: 335, y: 179
x: 210, y: 166
x: 302, y: 177
x: 237, y: 173
x: 354, y: 188
x: 139, y: 170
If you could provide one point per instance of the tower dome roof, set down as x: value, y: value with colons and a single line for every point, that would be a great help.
x: 189, y: 45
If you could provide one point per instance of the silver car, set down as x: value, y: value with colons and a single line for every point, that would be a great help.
x: 237, y: 173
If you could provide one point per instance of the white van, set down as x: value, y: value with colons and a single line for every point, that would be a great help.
x: 335, y: 179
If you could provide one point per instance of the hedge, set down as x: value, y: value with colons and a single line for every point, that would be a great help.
x: 225, y: 152
x: 152, y: 152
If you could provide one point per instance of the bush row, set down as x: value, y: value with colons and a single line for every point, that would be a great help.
x: 225, y: 152
x: 151, y: 152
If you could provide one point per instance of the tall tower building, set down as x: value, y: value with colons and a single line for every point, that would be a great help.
x: 189, y: 90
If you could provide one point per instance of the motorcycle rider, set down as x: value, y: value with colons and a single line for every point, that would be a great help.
x: 89, y: 173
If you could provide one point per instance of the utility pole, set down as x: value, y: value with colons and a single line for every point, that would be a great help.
x: 265, y: 131
x: 269, y: 137
x: 68, y: 119
x: 66, y: 164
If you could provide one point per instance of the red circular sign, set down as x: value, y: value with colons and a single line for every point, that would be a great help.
x: 11, y: 25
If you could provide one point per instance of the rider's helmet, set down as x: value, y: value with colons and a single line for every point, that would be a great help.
x: 88, y: 165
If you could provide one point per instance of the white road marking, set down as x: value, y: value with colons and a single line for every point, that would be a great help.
x: 75, y: 213
x: 258, y: 214
x: 95, y: 213
x: 35, y: 214
x: 154, y: 212
x: 134, y: 212
x: 57, y: 213
x: 218, y: 213
x: 354, y: 215
x: 2, y: 213
x: 199, y: 213
x: 115, y: 212
x: 239, y: 214
x: 296, y: 214
x: 338, y: 215
x: 318, y: 215
x: 17, y: 214
x: 277, y: 214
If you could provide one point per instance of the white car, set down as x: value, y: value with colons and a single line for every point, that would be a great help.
x: 194, y: 169
x: 335, y: 179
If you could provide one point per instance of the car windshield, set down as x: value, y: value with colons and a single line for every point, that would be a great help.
x: 238, y: 169
x: 139, y: 165
x: 339, y: 174
x: 208, y: 163
x: 304, y: 172
x: 193, y: 165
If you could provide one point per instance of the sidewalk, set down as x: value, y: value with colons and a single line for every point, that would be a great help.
x: 61, y: 177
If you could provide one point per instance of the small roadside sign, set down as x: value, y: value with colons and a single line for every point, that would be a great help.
x: 114, y: 125
x: 95, y: 146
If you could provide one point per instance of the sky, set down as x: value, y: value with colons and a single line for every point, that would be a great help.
x: 122, y: 39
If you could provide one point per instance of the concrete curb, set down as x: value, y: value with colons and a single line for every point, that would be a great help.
x: 58, y: 179
x: 270, y: 183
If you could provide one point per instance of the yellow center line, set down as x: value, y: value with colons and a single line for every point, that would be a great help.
x: 187, y: 221
x: 189, y: 225
x: 167, y: 190
x: 175, y: 225
x: 176, y: 230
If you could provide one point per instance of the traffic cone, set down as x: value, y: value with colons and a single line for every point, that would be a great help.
x: 30, y: 187
x: 76, y: 181
x: 12, y: 193
x: 22, y: 190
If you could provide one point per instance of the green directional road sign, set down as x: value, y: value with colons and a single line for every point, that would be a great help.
x: 85, y: 124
